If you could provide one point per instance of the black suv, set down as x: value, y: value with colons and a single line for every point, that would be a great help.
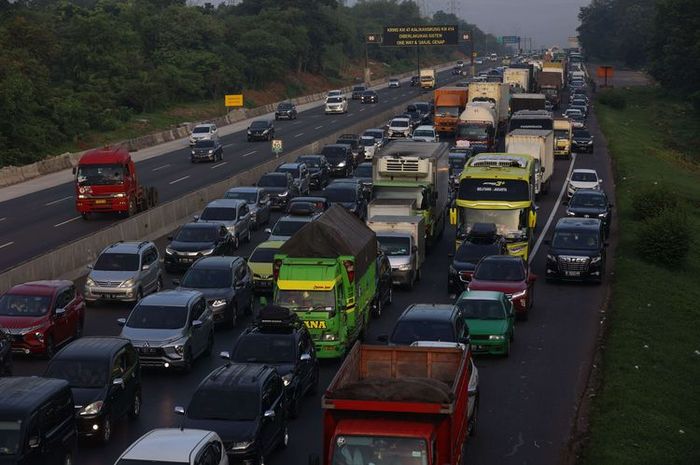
x: 104, y: 374
x: 280, y: 186
x: 340, y: 159
x: 261, y: 129
x: 319, y: 171
x: 349, y: 195
x: 5, y: 353
x: 246, y: 405
x: 286, y: 110
x: 429, y: 322
x: 280, y: 339
x: 195, y: 240
x: 576, y: 250
x: 481, y: 241
x: 208, y: 149
x: 369, y: 96
x: 582, y: 141
x: 357, y: 91
x: 591, y: 203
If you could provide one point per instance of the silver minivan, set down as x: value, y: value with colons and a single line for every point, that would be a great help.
x: 232, y: 213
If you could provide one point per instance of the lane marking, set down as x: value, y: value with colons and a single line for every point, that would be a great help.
x: 318, y: 127
x: 299, y: 135
x: 6, y: 245
x: 160, y: 167
x: 361, y: 109
x: 348, y: 115
x: 229, y: 145
x: 249, y: 153
x: 57, y: 201
x: 3, y: 218
x: 333, y: 121
x: 66, y: 222
x: 219, y: 164
x: 179, y: 179
x: 553, y: 212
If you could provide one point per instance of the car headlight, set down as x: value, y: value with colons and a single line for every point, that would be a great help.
x: 570, y: 213
x: 596, y: 259
x: 519, y: 294
x: 265, y: 131
x: 551, y: 258
x: 496, y: 337
x: 207, y: 252
x: 218, y: 303
x: 90, y: 282
x: 283, y: 194
x: 341, y: 164
x: 590, y: 142
x: 127, y: 283
x: 404, y: 267
x: 39, y: 336
x: 92, y: 409
x: 119, y: 195
x: 329, y: 337
x: 602, y: 215
x: 242, y: 445
x: 211, y: 151
x: 169, y: 251
x: 287, y: 379
x: 249, y: 133
x: 193, y: 152
x: 179, y: 348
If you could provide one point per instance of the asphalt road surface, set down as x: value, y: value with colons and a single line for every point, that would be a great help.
x: 528, y: 400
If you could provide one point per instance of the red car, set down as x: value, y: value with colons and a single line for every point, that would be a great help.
x: 42, y: 315
x: 507, y: 274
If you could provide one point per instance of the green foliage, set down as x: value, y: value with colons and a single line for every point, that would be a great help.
x: 613, y: 99
x: 651, y: 201
x: 665, y: 239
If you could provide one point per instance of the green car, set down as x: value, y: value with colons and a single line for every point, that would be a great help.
x: 260, y: 263
x: 491, y: 319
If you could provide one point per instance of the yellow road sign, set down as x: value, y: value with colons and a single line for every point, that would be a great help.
x: 233, y: 100
x: 277, y: 145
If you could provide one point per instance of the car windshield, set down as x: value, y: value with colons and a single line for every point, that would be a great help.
x: 265, y: 348
x: 582, y: 134
x: 312, y: 162
x: 424, y: 133
x: 201, y: 278
x: 457, y: 163
x: 363, y: 171
x: 258, y: 125
x: 9, y: 437
x: 196, y: 234
x: 375, y: 134
x: 575, y: 240
x: 369, y: 93
x: 334, y: 153
x: 204, y: 144
x: 24, y: 305
x: 117, y: 262
x: 263, y: 255
x: 584, y: 200
x: 584, y: 176
x: 96, y: 175
x: 482, y: 309
x: 399, y: 123
x: 218, y: 214
x: 573, y: 112
x: 561, y: 134
x: 334, y: 100
x: 367, y: 141
x: 201, y: 130
x: 87, y: 374
x: 249, y: 197
x: 284, y: 106
x: 148, y: 462
x: 469, y: 252
x: 393, y: 246
x: 447, y: 111
x: 294, y: 300
x: 287, y: 227
x: 358, y: 89
x: 288, y: 169
x: 406, y: 332
x: 157, y: 317
x: 392, y: 450
x: 499, y: 270
x: 339, y: 194
x: 273, y: 181
x: 214, y: 404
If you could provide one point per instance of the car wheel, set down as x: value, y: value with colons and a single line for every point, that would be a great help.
x: 236, y: 243
x: 210, y: 345
x: 295, y: 406
x: 135, y: 409
x: 79, y: 330
x: 512, y: 334
x: 159, y: 284
x: 132, y: 208
x: 106, y: 430
x: 50, y: 350
x: 378, y: 308
x: 506, y: 352
x: 418, y: 274
x: 85, y: 215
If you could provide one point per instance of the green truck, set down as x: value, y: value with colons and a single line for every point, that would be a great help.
x: 326, y: 273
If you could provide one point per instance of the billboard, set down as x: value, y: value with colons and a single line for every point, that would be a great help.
x: 410, y: 36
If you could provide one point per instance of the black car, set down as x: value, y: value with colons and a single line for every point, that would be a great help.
x: 5, y: 353
x: 286, y: 110
x: 357, y: 91
x: 340, y: 159
x: 457, y: 158
x: 426, y: 109
x: 300, y: 173
x: 311, y: 205
x: 591, y: 203
x: 319, y: 171
x: 261, y: 129
x: 385, y: 293
x: 227, y: 284
x: 278, y: 338
x: 481, y: 241
x: 363, y: 175
x: 196, y: 240
x: 246, y: 405
x: 209, y: 149
x: 415, y: 116
x: 429, y: 322
x: 576, y: 250
x: 348, y: 195
x: 415, y: 80
x: 369, y: 96
x: 582, y: 141
x: 280, y: 187
x: 104, y: 374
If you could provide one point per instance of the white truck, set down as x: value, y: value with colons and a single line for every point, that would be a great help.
x: 427, y: 78
x: 477, y: 124
x: 497, y: 93
x: 518, y: 78
x: 402, y: 239
x: 539, y: 144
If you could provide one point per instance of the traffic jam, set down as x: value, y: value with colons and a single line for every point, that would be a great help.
x: 345, y: 231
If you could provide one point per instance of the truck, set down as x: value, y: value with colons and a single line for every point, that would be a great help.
x: 449, y: 104
x: 540, y: 145
x: 406, y: 405
x: 549, y: 83
x: 563, y: 133
x: 427, y: 79
x: 530, y: 67
x: 478, y: 125
x: 402, y: 239
x: 106, y: 182
x: 527, y: 102
x: 417, y: 172
x: 497, y: 93
x: 517, y: 78
x: 556, y: 67
x: 326, y: 273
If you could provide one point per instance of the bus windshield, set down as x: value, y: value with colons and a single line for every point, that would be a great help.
x: 512, y: 224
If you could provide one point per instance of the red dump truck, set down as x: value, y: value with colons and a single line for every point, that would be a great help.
x: 106, y: 182
x: 403, y: 405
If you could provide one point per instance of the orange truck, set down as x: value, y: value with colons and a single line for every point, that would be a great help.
x: 449, y: 104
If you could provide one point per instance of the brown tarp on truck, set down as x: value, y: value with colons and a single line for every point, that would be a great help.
x: 397, y: 390
x: 336, y: 232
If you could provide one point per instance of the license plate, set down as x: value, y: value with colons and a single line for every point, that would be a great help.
x: 187, y: 260
x: 100, y: 202
x: 573, y: 273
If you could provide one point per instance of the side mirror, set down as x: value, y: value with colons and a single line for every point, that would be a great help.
x: 465, y: 340
x: 453, y: 216
x: 414, y: 248
x: 472, y: 391
x: 225, y: 355
x: 121, y: 321
x: 600, y: 181
x: 60, y: 311
x: 118, y: 382
x: 197, y: 324
x: 383, y: 338
x: 269, y: 414
x: 145, y: 267
x: 89, y: 267
x: 268, y: 231
x: 195, y: 218
x: 176, y: 282
x: 542, y: 169
x: 532, y: 278
x: 565, y: 202
x: 75, y: 170
x: 179, y: 410
x: 305, y: 357
x: 34, y: 442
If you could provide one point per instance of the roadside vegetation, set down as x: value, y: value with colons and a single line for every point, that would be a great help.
x: 647, y: 410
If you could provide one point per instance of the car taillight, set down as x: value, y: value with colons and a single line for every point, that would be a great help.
x: 350, y: 269
x: 277, y: 264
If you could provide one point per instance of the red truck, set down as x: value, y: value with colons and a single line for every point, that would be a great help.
x: 403, y: 405
x: 106, y: 182
x: 449, y: 104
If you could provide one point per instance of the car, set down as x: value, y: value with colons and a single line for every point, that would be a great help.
x: 582, y: 141
x: 124, y: 271
x: 579, y: 100
x: 582, y: 108
x: 369, y: 145
x: 307, y: 205
x: 5, y: 353
x: 319, y: 171
x: 385, y: 290
x: 428, y: 322
x: 176, y: 446
x: 549, y: 106
x: 402, y: 257
x: 280, y: 187
x: 363, y: 175
x: 206, y: 131
x: 576, y: 250
x: 349, y: 195
x: 378, y: 134
x: 591, y: 203
x: 491, y: 320
x: 481, y: 240
x: 353, y: 140
x: 508, y: 274
x: 369, y: 96
x: 335, y: 93
x: 457, y: 158
x: 104, y: 375
x: 340, y: 159
x: 227, y: 286
x: 300, y: 174
x: 425, y: 134
x: 415, y: 80
x: 336, y: 105
x: 415, y: 118
x: 573, y: 113
x: 578, y: 121
x: 394, y: 83
x: 42, y: 315
x: 232, y: 213
x: 260, y: 263
x: 261, y: 129
x: 582, y: 179
x: 357, y: 91
x: 400, y: 127
x: 286, y: 110
x: 425, y: 108
x: 195, y: 240
x: 246, y: 405
x: 479, y: 61
x: 170, y: 329
x: 457, y: 70
x: 258, y: 200
x: 287, y: 225
x: 207, y: 149
x: 278, y: 338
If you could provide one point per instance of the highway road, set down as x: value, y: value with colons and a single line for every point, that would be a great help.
x: 39, y: 222
x: 528, y: 400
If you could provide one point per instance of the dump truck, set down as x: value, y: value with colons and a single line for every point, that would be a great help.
x: 326, y: 273
x: 540, y: 145
x: 527, y: 102
x: 563, y: 133
x: 449, y: 104
x: 478, y: 126
x: 406, y: 405
x: 428, y: 79
x: 498, y: 94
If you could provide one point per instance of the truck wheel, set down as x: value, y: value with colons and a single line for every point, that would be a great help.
x: 377, y: 310
x: 132, y: 208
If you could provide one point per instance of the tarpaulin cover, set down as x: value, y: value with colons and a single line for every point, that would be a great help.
x: 403, y: 390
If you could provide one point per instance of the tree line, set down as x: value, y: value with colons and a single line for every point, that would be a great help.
x: 72, y: 67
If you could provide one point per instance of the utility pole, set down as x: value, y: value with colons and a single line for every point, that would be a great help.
x: 418, y: 54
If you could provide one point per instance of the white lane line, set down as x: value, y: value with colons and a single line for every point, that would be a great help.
x: 318, y: 127
x: 361, y: 109
x: 299, y: 135
x: 249, y: 153
x: 348, y: 115
x: 179, y: 179
x: 403, y: 95
x: 160, y: 167
x: 219, y: 164
x: 6, y: 245
x: 543, y: 234
x: 57, y: 201
x: 3, y: 218
x: 66, y: 222
x: 228, y: 145
x: 333, y: 121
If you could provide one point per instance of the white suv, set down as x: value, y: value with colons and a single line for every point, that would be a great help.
x: 203, y: 132
x: 176, y: 446
x: 337, y: 104
x: 582, y: 179
x: 399, y: 127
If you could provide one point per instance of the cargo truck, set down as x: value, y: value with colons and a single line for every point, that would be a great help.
x: 549, y: 83
x: 106, y: 182
x: 497, y: 93
x: 530, y: 67
x: 427, y: 79
x: 556, y: 67
x: 414, y: 172
x: 449, y: 104
x: 563, y: 133
x: 478, y: 125
x: 402, y: 239
x: 517, y: 78
x: 540, y: 145
x: 398, y: 405
x: 520, y: 102
x: 326, y: 273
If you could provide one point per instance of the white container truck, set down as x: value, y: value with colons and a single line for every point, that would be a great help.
x: 402, y: 238
x: 497, y: 93
x: 540, y: 145
x: 517, y: 78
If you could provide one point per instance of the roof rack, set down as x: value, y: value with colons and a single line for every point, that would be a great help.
x: 276, y: 317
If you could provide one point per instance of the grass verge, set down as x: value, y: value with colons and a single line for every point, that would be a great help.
x: 647, y: 409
